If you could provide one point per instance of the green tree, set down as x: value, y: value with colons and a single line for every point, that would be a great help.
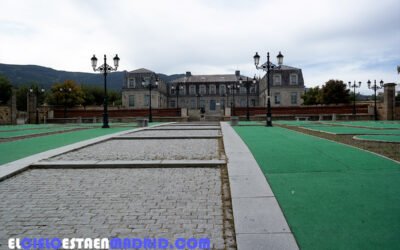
x: 68, y: 94
x: 335, y: 92
x: 5, y: 89
x: 312, y: 96
x: 93, y: 95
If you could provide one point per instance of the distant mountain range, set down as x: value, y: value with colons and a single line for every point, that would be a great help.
x: 45, y: 77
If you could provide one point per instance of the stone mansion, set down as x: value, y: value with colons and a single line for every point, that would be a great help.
x: 212, y: 93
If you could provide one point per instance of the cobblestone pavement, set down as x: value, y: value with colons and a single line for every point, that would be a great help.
x: 123, y: 202
x: 170, y: 203
x: 173, y: 149
x: 172, y: 133
x: 184, y: 127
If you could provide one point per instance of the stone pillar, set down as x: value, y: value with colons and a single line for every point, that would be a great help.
x: 389, y: 101
x: 31, y: 107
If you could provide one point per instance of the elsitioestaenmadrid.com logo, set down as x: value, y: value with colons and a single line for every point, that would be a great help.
x: 105, y: 243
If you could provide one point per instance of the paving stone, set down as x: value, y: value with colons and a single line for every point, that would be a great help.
x: 258, y: 215
x: 173, y: 149
x: 80, y: 200
x: 276, y: 241
x: 174, y: 133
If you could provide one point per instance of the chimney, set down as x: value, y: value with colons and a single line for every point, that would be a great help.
x: 188, y: 74
x: 237, y: 73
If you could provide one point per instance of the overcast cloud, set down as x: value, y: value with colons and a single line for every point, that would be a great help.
x: 340, y: 39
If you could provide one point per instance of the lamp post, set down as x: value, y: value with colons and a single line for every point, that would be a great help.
x: 150, y: 85
x: 36, y: 91
x: 248, y: 84
x: 375, y: 88
x: 177, y: 88
x: 65, y: 90
x: 354, y: 86
x: 233, y: 87
x: 105, y: 69
x: 267, y: 67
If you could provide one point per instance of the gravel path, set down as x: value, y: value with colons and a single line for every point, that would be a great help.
x: 169, y: 149
x: 174, y: 133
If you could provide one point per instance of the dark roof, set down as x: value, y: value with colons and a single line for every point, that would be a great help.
x: 209, y: 78
x: 141, y: 70
x: 282, y: 67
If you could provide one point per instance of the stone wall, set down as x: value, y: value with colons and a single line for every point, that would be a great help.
x: 5, y: 115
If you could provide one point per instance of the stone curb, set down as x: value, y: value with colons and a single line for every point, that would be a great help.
x: 259, y: 221
x: 12, y: 168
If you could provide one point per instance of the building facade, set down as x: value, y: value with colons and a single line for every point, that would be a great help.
x: 213, y: 93
x: 136, y: 92
x: 286, y: 87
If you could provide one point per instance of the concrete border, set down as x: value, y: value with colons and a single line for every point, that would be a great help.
x: 183, y: 137
x: 12, y: 168
x: 259, y: 221
x: 130, y: 164
x: 371, y: 140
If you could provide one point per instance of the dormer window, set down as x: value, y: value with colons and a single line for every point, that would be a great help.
x: 293, y: 79
x: 277, y: 79
x: 131, y: 83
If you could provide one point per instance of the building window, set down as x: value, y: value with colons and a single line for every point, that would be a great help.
x: 192, y: 90
x: 172, y: 90
x: 252, y: 102
x: 192, y: 104
x: 182, y: 90
x: 202, y: 89
x: 222, y: 89
x: 172, y: 104
x: 213, y: 90
x: 243, y: 90
x: 223, y: 103
x: 202, y: 103
x: 146, y: 100
x: 131, y: 101
x: 277, y: 79
x: 293, y: 98
x: 212, y: 105
x: 252, y: 90
x: 293, y: 79
x: 131, y: 83
x: 277, y: 98
x: 243, y: 102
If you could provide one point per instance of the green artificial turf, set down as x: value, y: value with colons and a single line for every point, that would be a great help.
x: 333, y: 196
x: 352, y: 130
x: 11, y: 151
x: 24, y: 132
x: 386, y: 138
x: 368, y: 124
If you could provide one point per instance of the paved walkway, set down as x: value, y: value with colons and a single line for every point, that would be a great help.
x: 188, y: 196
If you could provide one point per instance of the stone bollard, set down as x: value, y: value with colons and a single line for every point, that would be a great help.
x: 234, y: 121
x: 321, y: 118
x: 142, y: 122
x: 333, y: 117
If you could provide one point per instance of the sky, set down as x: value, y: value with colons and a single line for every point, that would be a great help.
x: 349, y: 40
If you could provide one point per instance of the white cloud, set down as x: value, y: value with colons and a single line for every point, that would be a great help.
x: 328, y: 39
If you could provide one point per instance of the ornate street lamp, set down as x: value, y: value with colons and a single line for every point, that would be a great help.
x: 354, y: 86
x: 36, y: 92
x: 150, y: 85
x: 248, y: 84
x: 65, y: 91
x: 267, y: 67
x: 105, y: 68
x: 233, y: 87
x: 177, y: 88
x: 375, y: 87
